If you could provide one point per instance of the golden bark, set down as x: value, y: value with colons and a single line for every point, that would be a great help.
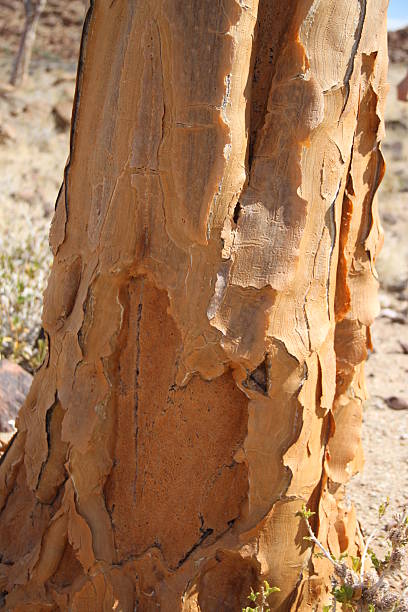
x: 208, y: 310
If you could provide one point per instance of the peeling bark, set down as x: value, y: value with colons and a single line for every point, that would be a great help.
x: 208, y: 310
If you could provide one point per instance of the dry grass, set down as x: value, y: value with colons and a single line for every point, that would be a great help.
x: 25, y: 261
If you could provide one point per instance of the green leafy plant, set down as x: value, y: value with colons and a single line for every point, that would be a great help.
x: 355, y: 563
x: 367, y: 589
x: 259, y: 598
x: 343, y: 594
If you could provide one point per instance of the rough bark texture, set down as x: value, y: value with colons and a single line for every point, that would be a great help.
x: 208, y: 310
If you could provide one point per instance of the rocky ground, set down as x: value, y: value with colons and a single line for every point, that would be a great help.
x: 33, y: 148
x: 58, y: 34
x: 34, y: 125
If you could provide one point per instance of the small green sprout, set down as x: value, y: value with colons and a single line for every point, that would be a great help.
x: 383, y: 507
x: 305, y: 513
x: 263, y: 594
x: 355, y: 563
x: 374, y: 559
x: 253, y: 596
x: 343, y: 594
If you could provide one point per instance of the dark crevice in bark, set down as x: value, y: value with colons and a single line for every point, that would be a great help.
x: 342, y: 301
x: 137, y: 372
x: 330, y: 219
x: 296, y: 592
x: 205, y: 533
x: 258, y: 378
x: 357, y: 36
x: 59, y: 195
x: 290, y: 600
x: 48, y: 418
x: 237, y: 212
x: 327, y: 431
x: 73, y: 277
x: 88, y: 313
x: 375, y: 184
x: 271, y: 30
x: 47, y: 337
x: 60, y: 491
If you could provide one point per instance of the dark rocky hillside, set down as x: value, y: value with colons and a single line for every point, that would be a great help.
x: 398, y: 46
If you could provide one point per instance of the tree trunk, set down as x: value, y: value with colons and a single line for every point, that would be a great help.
x: 22, y: 62
x: 208, y: 310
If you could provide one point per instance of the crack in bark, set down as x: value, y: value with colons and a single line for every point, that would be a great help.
x: 378, y: 176
x: 137, y: 383
x: 205, y: 534
x: 237, y: 212
x: 259, y: 379
x: 343, y: 306
x: 350, y: 67
x: 48, y: 417
x: 333, y: 235
x: 264, y: 49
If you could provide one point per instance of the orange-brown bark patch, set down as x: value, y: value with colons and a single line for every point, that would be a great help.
x: 168, y: 436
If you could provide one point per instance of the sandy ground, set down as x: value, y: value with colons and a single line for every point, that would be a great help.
x: 33, y: 150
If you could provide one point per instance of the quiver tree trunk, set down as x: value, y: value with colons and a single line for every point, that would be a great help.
x: 33, y: 11
x: 208, y: 310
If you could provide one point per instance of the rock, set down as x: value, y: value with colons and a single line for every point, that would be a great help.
x: 398, y: 45
x: 396, y: 149
x: 393, y: 315
x: 397, y: 403
x: 6, y: 88
x: 14, y: 386
x: 402, y: 90
x: 25, y: 195
x: 404, y: 347
x: 397, y: 286
x: 389, y: 218
x: 7, y: 133
x: 63, y: 77
x: 395, y: 124
x: 37, y: 110
x: 62, y: 114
